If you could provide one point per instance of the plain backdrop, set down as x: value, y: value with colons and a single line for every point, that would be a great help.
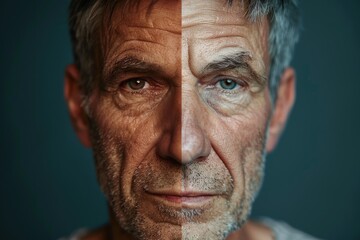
x: 47, y: 179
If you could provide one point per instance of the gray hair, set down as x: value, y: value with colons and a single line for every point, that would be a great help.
x: 86, y: 17
x: 284, y: 20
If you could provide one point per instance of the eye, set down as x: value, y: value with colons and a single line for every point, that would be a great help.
x: 135, y: 84
x: 229, y: 84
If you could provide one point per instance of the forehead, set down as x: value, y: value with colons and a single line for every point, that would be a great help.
x: 211, y: 12
x: 141, y: 28
x: 144, y: 19
x: 223, y: 28
x: 160, y: 14
x: 159, y: 26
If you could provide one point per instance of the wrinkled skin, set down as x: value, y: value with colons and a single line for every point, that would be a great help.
x: 178, y: 133
x: 223, y: 129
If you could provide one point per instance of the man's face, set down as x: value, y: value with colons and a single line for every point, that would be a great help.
x: 179, y: 119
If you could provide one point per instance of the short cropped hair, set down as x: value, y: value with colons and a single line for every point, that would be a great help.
x: 86, y: 18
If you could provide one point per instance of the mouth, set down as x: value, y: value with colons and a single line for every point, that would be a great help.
x: 193, y: 199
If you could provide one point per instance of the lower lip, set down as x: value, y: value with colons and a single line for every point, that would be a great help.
x: 184, y: 201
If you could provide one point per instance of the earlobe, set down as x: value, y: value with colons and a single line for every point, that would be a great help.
x: 73, y: 97
x: 283, y: 105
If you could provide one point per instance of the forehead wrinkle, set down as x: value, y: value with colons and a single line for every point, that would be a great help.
x: 142, y: 34
x: 159, y: 24
x: 210, y: 19
x: 148, y: 28
x: 147, y: 20
x: 142, y: 41
x: 161, y: 15
x: 130, y: 58
x: 211, y: 14
x: 122, y: 43
x: 220, y: 36
x: 141, y: 31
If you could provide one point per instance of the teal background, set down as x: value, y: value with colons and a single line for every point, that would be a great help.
x: 47, y: 179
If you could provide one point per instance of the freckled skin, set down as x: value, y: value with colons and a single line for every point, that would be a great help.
x: 180, y: 129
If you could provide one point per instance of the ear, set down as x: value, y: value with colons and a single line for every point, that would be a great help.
x: 73, y: 97
x: 283, y: 105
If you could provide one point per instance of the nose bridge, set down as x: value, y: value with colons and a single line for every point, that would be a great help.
x: 184, y: 137
x: 169, y: 146
x: 195, y: 144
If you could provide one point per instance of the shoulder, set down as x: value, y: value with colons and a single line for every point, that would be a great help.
x: 101, y: 233
x: 283, y: 231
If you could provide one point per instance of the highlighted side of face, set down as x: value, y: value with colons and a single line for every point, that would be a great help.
x: 225, y: 113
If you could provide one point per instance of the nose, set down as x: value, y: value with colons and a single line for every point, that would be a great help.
x: 169, y: 145
x: 194, y: 140
x: 195, y: 145
x: 183, y: 138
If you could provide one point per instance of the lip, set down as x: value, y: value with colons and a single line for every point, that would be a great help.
x: 183, y: 199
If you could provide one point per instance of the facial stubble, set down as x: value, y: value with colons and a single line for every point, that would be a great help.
x: 156, y: 173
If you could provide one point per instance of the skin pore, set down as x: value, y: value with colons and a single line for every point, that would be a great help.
x: 180, y: 120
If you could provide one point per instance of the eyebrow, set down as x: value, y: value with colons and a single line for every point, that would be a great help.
x: 130, y: 64
x: 236, y: 61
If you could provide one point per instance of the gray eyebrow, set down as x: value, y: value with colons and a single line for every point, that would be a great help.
x: 239, y: 60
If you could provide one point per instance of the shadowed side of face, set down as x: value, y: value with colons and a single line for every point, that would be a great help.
x: 136, y: 119
x: 178, y: 120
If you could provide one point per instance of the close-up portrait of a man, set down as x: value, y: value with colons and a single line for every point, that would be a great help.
x: 180, y: 120
x: 180, y: 101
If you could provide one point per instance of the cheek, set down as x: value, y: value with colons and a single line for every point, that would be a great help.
x: 239, y: 142
x: 120, y: 145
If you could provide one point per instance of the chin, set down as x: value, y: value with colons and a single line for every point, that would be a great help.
x: 214, y: 230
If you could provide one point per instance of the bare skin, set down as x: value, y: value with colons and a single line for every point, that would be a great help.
x: 181, y: 120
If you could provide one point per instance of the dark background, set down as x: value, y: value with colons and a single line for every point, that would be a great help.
x: 47, y: 179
